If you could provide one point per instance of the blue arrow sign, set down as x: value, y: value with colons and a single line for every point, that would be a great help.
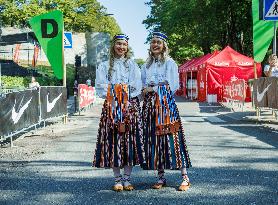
x: 271, y: 10
x: 67, y: 40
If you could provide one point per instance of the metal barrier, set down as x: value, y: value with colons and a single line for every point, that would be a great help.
x: 11, y: 90
x: 265, y: 92
x: 23, y: 110
x: 235, y: 93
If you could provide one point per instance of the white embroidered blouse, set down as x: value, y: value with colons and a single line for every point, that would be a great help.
x: 158, y: 72
x: 123, y: 72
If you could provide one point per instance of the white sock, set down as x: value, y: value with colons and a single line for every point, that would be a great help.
x: 118, y: 176
x: 185, y: 179
x: 127, y: 173
x: 161, y: 178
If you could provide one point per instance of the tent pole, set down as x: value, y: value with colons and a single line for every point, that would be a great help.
x: 191, y: 87
x: 255, y: 70
x: 186, y: 91
x: 206, y: 85
x: 252, y: 95
x: 197, y: 85
x: 274, y: 39
x: 184, y: 84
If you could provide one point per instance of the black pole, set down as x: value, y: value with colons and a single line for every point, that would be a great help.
x: 75, y: 86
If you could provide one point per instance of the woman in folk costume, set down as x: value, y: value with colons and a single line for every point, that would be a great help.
x: 163, y: 135
x: 119, y: 141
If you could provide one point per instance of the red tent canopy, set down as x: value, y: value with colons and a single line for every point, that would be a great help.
x: 226, y: 66
x: 203, y: 63
x: 186, y: 64
x: 228, y: 57
x: 196, y: 63
x: 213, y: 70
x: 199, y: 61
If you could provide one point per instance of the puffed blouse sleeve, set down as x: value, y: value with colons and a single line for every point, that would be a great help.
x: 143, y: 76
x: 172, y: 75
x: 101, y: 82
x: 135, y: 80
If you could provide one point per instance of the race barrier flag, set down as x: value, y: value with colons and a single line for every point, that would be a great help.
x: 49, y: 29
x: 265, y: 92
x: 87, y: 95
x: 18, y: 110
x: 53, y: 101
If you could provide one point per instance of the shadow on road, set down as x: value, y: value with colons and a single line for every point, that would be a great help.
x: 250, y: 129
x: 223, y: 185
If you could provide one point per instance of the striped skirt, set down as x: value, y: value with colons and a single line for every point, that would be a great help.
x: 115, y: 148
x: 167, y: 150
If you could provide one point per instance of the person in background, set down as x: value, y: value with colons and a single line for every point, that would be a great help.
x: 75, y: 87
x: 89, y: 82
x: 34, y: 83
x: 271, y: 70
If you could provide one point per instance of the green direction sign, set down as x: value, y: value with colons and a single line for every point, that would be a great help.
x: 49, y: 29
x: 263, y: 33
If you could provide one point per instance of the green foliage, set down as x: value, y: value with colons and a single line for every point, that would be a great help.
x: 11, y: 82
x: 215, y: 48
x: 23, y: 82
x: 47, y: 78
x: 49, y: 81
x: 202, y: 25
x: 187, y: 53
x: 139, y: 61
x: 79, y: 16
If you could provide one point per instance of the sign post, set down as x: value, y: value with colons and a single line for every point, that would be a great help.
x: 274, y: 40
x: 270, y: 13
x: 0, y: 62
x: 67, y: 43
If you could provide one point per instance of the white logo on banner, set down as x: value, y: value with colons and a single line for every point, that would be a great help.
x: 221, y: 64
x: 234, y: 78
x: 50, y: 105
x: 260, y: 96
x: 17, y: 115
x: 202, y: 84
x: 244, y: 63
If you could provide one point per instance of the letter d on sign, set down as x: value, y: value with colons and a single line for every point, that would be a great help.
x: 44, y: 26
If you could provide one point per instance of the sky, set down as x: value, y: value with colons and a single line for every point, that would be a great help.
x: 129, y: 14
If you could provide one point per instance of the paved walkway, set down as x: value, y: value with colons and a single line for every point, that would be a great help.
x: 234, y: 162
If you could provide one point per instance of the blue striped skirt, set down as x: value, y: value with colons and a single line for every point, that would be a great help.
x: 162, y: 151
x: 115, y: 148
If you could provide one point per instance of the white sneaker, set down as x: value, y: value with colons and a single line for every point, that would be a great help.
x: 118, y: 186
x: 127, y: 185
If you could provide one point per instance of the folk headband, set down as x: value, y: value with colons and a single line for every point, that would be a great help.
x: 121, y: 37
x: 160, y: 35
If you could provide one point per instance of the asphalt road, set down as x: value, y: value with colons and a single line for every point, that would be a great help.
x: 234, y: 162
